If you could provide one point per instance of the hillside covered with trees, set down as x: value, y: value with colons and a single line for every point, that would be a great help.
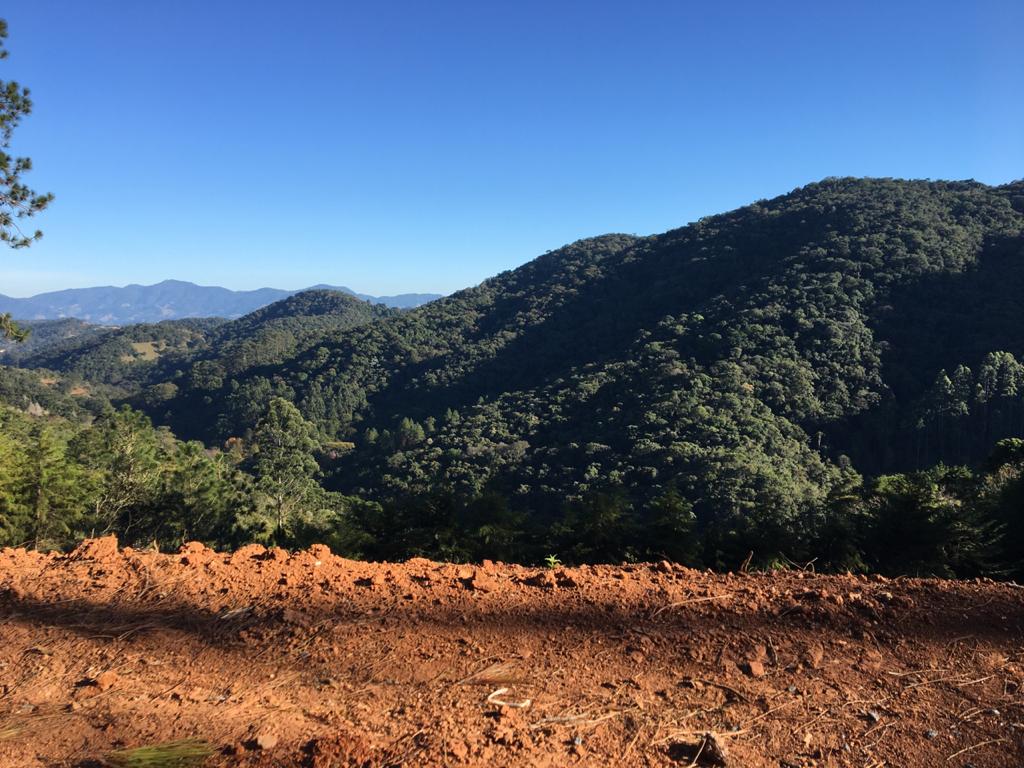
x: 136, y: 356
x: 831, y: 374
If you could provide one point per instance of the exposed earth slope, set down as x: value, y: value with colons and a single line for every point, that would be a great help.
x: 306, y: 659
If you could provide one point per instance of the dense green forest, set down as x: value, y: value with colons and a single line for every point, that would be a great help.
x: 43, y: 334
x: 119, y: 357
x: 138, y: 355
x: 832, y: 375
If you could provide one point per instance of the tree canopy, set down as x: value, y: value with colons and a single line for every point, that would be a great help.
x: 17, y: 201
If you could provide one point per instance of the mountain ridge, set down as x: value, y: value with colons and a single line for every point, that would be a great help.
x: 169, y: 300
x: 756, y: 338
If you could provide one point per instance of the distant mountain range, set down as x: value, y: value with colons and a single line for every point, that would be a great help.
x: 169, y: 300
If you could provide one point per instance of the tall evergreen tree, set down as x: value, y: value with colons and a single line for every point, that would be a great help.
x: 17, y: 201
x: 55, y: 495
x: 282, y: 462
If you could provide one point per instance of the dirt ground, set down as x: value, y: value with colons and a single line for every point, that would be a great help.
x: 306, y: 659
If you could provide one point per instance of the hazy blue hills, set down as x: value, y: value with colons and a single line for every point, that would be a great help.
x: 168, y: 300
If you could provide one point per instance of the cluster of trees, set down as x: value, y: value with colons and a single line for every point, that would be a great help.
x: 964, y: 412
x: 135, y: 357
x: 61, y: 481
x: 123, y: 358
x: 945, y: 521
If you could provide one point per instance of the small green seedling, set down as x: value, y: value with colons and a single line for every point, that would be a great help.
x: 552, y: 561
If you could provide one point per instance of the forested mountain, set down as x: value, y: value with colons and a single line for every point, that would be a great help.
x: 44, y: 334
x: 135, y: 356
x: 775, y: 338
x: 168, y: 300
x: 259, y: 341
x: 751, y: 382
x: 121, y: 356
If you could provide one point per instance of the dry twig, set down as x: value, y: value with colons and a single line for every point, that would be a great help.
x: 975, y: 746
x: 690, y: 601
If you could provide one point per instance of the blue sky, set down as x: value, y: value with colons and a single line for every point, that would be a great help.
x: 414, y: 146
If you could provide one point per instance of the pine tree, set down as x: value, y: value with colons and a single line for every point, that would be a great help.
x: 121, y: 460
x: 669, y: 529
x: 13, y: 470
x: 55, y: 497
x: 11, y: 330
x: 282, y: 462
x: 16, y: 200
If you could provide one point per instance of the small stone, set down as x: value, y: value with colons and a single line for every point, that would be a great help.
x: 106, y: 680
x: 873, y: 716
x: 481, y: 582
x: 543, y: 579
x: 459, y: 749
x: 320, y: 553
x: 870, y: 661
x: 103, y: 548
x: 754, y: 668
x: 814, y: 656
x: 931, y: 735
x: 249, y: 552
x: 266, y: 740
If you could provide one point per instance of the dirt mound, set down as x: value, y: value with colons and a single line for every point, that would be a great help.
x: 307, y: 659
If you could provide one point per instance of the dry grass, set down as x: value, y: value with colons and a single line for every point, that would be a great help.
x: 14, y: 725
x: 172, y: 754
x: 500, y: 673
x: 147, y: 350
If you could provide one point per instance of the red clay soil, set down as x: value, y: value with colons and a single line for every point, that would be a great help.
x: 307, y: 659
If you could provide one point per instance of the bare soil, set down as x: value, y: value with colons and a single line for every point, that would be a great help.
x: 307, y: 659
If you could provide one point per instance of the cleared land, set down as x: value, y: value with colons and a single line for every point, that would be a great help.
x: 305, y: 659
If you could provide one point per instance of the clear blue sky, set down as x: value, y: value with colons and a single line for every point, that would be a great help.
x: 423, y: 146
